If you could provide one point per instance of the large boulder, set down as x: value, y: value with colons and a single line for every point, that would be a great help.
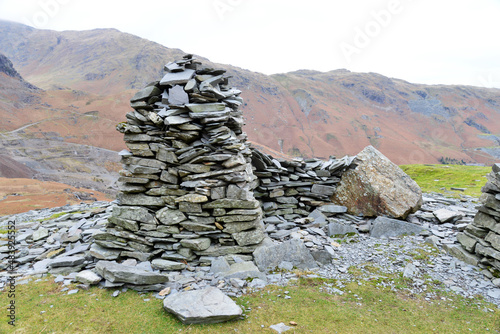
x: 384, y: 227
x: 205, y: 306
x: 374, y: 186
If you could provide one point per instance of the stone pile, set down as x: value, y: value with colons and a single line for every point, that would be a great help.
x: 187, y: 184
x: 56, y: 241
x: 482, y: 236
x: 293, y: 189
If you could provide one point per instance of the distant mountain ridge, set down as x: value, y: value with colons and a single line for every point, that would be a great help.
x: 306, y: 113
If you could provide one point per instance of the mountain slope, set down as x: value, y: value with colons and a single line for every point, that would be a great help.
x: 303, y: 113
x: 107, y: 62
x: 42, y: 133
x: 410, y: 123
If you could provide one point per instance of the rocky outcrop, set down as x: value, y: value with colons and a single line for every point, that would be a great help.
x: 481, y: 238
x: 7, y: 67
x: 374, y: 186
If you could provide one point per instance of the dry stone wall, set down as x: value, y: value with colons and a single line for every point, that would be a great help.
x: 187, y: 183
x: 482, y: 236
x: 294, y: 188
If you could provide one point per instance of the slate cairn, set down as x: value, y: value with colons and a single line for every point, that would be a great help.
x: 482, y: 236
x: 187, y: 184
x: 293, y: 189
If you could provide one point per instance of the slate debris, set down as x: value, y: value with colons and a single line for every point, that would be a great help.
x: 63, y: 244
x: 90, y: 218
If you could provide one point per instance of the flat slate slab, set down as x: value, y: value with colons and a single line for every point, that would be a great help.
x: 445, y: 215
x: 175, y: 78
x: 384, y: 227
x: 205, y: 306
x: 119, y: 273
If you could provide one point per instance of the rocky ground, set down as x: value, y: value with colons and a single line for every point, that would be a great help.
x: 57, y: 241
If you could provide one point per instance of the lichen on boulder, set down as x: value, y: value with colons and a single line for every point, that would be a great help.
x: 375, y: 186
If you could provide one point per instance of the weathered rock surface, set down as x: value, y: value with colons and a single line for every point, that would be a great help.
x: 269, y: 256
x: 384, y: 227
x: 205, y: 306
x: 374, y: 186
x: 119, y: 273
x: 88, y: 277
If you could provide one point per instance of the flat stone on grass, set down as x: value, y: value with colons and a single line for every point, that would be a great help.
x: 205, y: 306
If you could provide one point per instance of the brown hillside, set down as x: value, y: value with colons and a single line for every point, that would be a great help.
x: 20, y: 195
x: 92, y: 74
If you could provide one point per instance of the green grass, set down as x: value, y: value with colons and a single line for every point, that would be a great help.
x: 366, y: 306
x: 59, y: 214
x: 432, y: 178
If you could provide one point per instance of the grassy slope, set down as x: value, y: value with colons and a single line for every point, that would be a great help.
x: 433, y: 178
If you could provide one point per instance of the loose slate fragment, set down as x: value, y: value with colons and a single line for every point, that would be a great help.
x: 145, y: 93
x: 173, y: 67
x: 177, y: 78
x: 206, y: 107
x: 177, y: 96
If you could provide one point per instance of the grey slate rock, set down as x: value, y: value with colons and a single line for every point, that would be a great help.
x: 145, y: 93
x: 39, y: 234
x: 102, y: 253
x: 177, y: 96
x: 280, y: 328
x: 88, y: 277
x: 175, y: 78
x: 410, y: 270
x: 196, y: 244
x: 384, y: 227
x: 136, y: 213
x: 445, y: 215
x: 167, y: 265
x: 269, y: 256
x: 205, y: 306
x: 119, y: 273
x: 243, y: 270
x: 219, y: 265
x: 330, y: 209
x: 322, y: 256
x: 340, y: 229
x: 67, y: 261
x: 319, y: 217
x: 460, y: 253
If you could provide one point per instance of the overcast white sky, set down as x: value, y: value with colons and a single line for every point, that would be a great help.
x: 421, y: 41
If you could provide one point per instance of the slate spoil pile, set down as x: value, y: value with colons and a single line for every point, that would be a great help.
x: 187, y: 183
x: 481, y: 238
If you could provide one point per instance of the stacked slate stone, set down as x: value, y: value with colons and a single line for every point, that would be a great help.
x: 187, y: 184
x: 482, y: 236
x: 293, y: 189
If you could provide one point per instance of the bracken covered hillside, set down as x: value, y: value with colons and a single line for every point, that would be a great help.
x: 303, y: 113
